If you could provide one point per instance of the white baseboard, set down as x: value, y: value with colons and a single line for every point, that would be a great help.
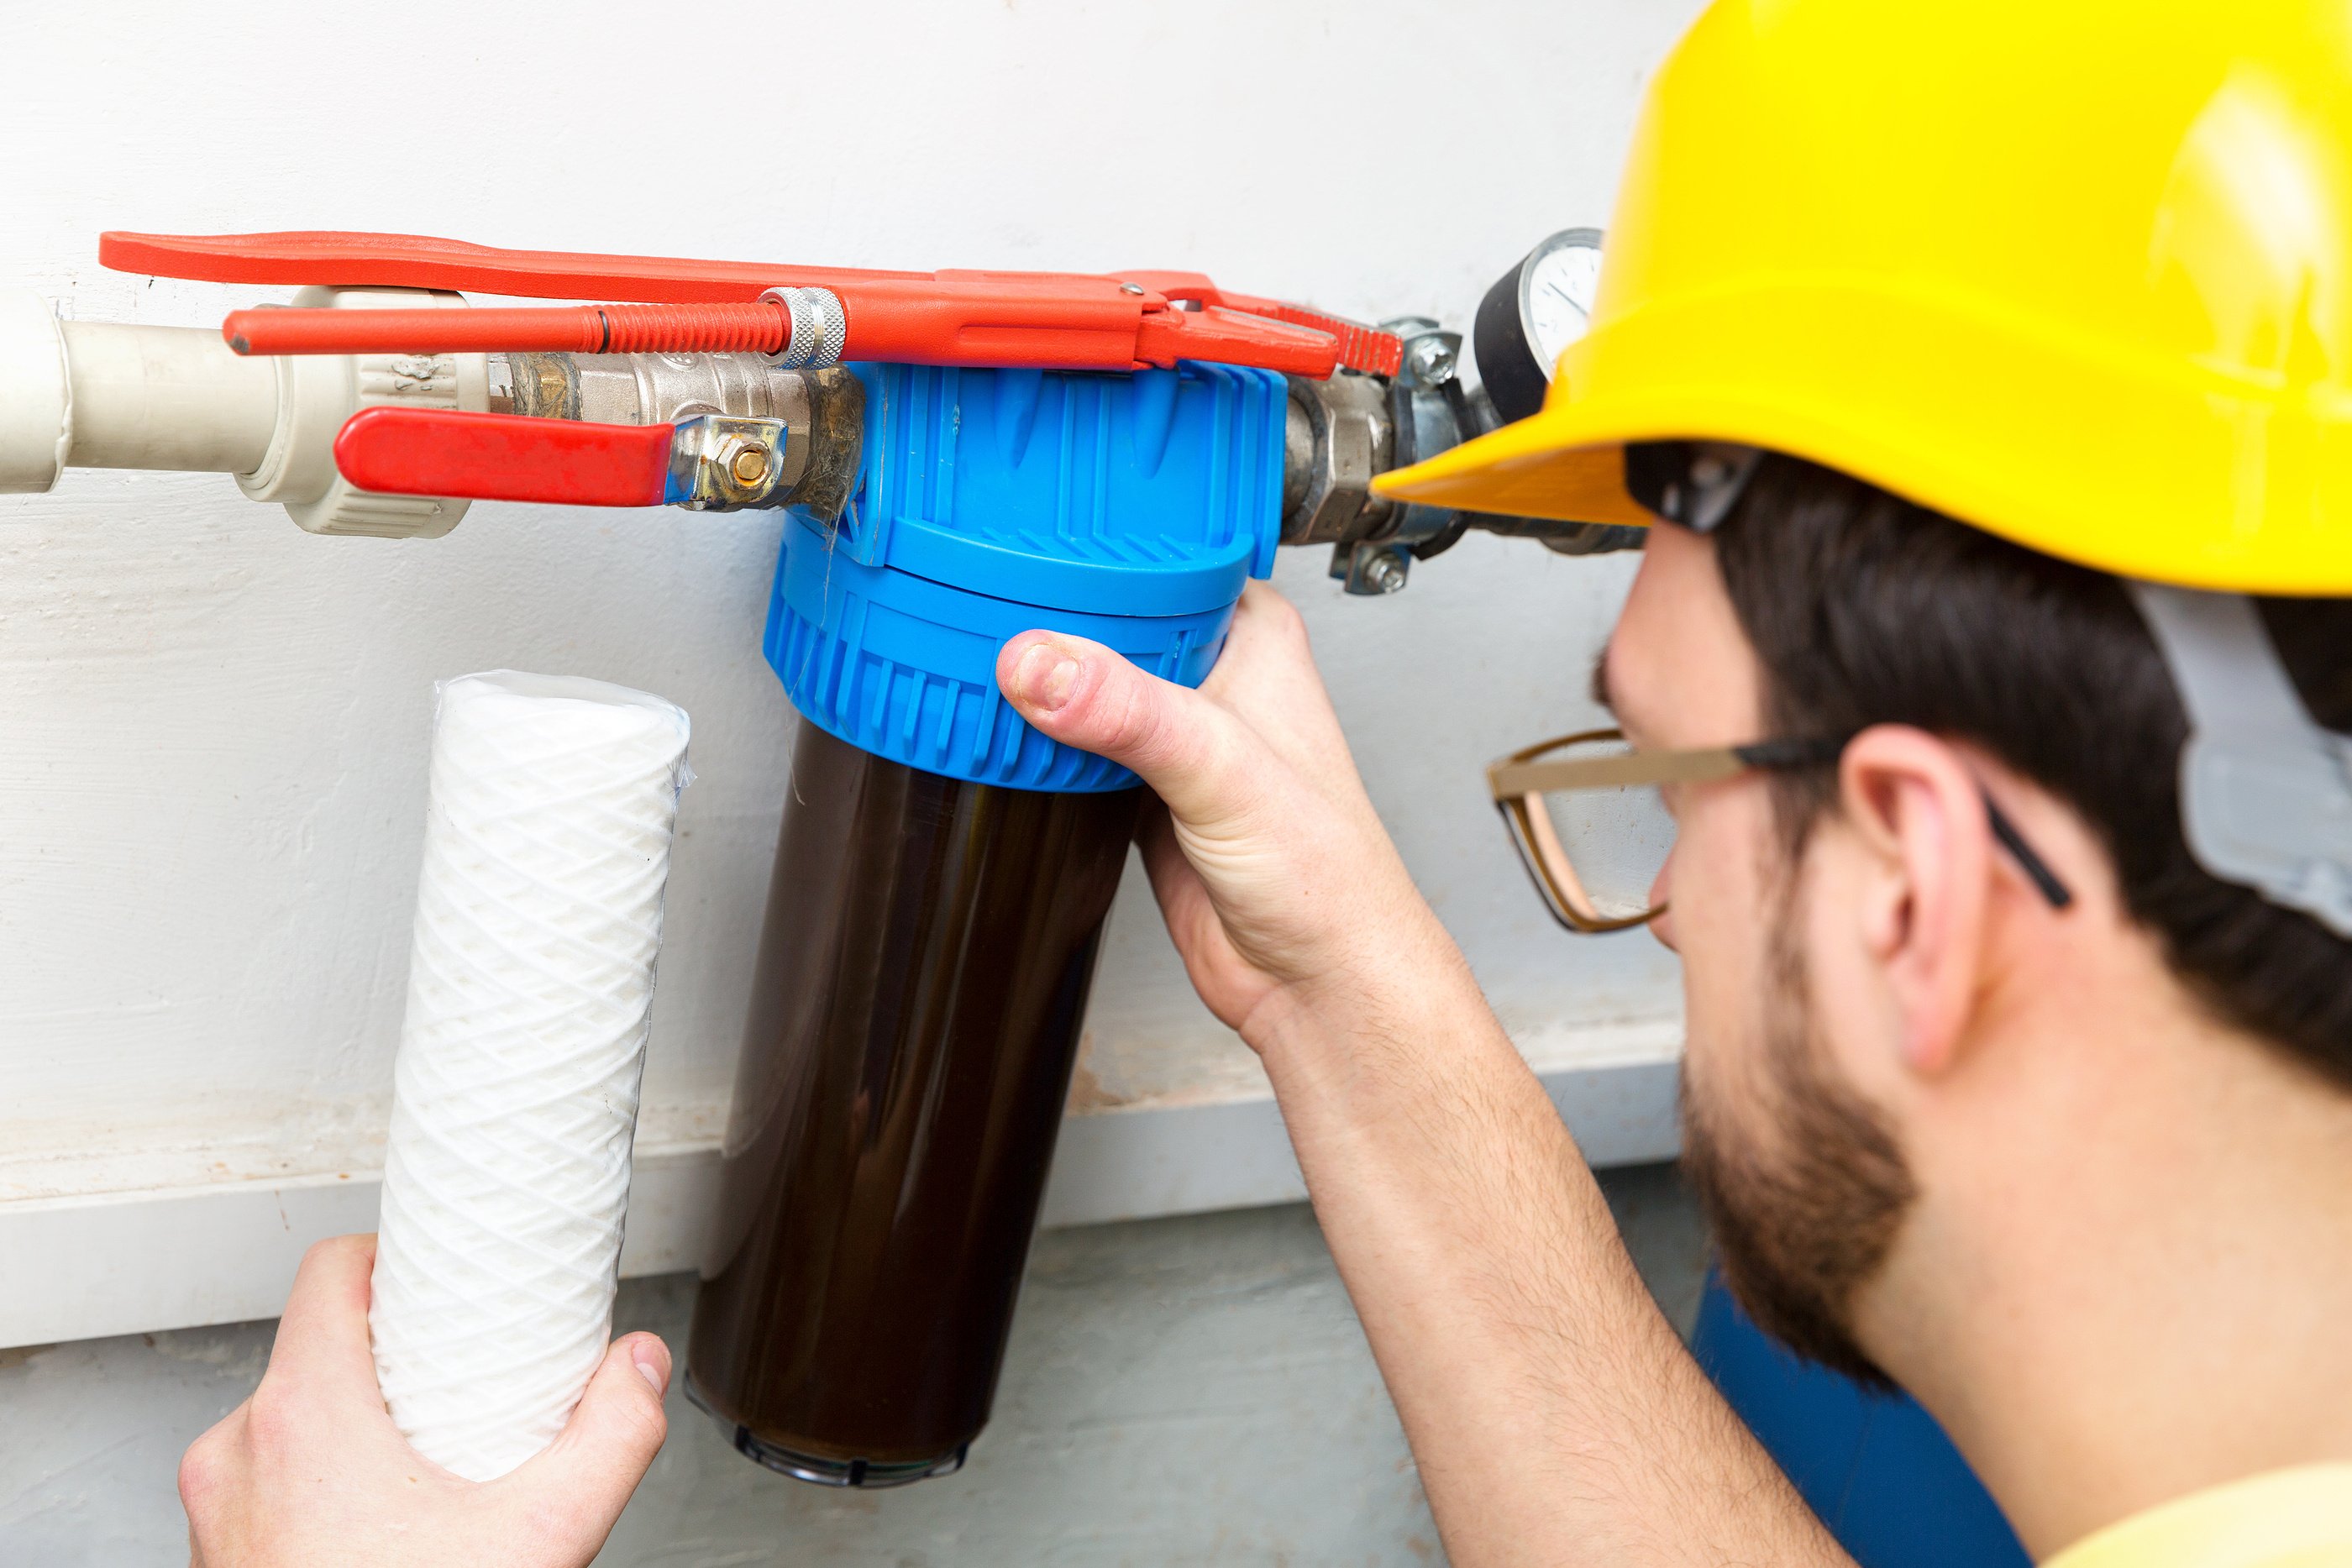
x: 177, y: 1256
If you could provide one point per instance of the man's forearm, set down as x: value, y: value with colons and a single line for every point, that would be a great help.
x: 1554, y: 1416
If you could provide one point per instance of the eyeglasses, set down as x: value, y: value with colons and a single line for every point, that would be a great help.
x: 1588, y: 819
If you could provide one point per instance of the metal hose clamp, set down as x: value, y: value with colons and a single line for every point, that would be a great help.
x: 820, y: 327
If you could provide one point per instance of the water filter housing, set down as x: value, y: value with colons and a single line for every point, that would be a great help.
x: 941, y: 882
x: 1125, y: 509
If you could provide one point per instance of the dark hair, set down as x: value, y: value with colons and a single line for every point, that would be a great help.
x: 1864, y: 609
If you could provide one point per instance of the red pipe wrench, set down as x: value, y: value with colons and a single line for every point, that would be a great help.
x: 1054, y: 320
x: 809, y: 316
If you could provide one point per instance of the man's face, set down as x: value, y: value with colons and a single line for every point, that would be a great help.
x: 1801, y: 1181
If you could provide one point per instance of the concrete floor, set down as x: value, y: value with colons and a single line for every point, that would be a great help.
x: 1178, y: 1391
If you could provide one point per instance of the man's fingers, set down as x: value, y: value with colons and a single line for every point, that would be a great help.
x: 1084, y: 694
x: 1267, y: 633
x: 322, y: 1339
x: 596, y: 1461
x: 1267, y: 677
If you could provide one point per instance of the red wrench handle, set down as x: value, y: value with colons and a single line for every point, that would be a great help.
x: 344, y: 259
x: 504, y: 458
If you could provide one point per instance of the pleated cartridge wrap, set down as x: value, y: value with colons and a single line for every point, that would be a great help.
x: 539, y: 917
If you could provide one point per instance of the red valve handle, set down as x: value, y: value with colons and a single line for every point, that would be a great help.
x: 504, y: 458
x: 1046, y: 319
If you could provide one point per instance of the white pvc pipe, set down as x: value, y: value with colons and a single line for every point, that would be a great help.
x: 538, y: 916
x: 166, y: 397
x: 102, y: 394
x: 34, y: 407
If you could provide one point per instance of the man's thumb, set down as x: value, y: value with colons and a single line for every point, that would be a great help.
x: 1085, y: 695
x: 596, y: 1461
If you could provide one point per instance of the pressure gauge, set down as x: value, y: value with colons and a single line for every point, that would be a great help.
x: 1534, y: 311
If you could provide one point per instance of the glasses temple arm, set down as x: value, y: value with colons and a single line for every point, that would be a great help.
x: 2037, y: 871
x: 1802, y: 753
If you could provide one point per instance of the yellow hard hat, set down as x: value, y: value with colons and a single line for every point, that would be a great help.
x: 2078, y: 273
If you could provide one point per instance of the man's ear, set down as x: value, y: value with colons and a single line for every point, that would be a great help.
x: 1918, y: 816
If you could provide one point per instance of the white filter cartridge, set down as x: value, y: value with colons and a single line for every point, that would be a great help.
x: 539, y: 917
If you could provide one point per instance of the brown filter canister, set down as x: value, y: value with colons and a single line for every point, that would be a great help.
x: 922, y: 977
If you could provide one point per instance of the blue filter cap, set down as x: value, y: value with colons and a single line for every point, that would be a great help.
x: 1125, y: 509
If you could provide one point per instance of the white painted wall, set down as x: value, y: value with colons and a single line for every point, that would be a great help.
x: 213, y: 726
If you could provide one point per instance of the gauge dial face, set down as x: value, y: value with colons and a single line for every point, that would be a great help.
x: 1556, y: 291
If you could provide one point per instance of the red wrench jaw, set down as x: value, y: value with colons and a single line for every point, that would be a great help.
x: 1225, y: 336
x: 1360, y: 348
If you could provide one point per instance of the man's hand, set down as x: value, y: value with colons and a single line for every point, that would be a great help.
x: 1280, y: 887
x: 311, y: 1471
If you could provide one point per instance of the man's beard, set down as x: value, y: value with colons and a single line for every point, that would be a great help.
x: 1804, y: 1212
